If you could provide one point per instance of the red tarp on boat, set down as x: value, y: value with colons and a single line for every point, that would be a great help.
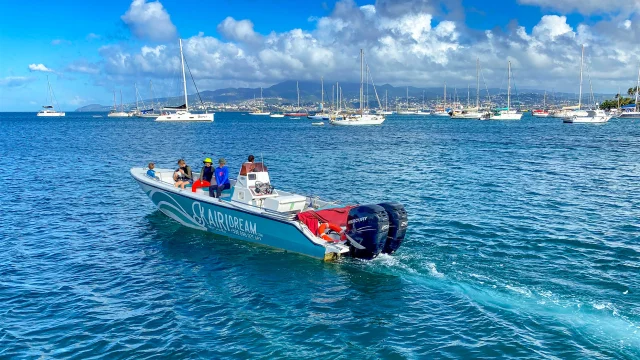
x: 337, y: 216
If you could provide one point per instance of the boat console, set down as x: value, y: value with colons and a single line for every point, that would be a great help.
x: 253, y: 187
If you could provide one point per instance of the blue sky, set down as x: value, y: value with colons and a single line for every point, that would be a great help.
x: 90, y: 51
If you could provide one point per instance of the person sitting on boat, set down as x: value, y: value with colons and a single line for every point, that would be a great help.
x: 222, y: 178
x: 207, y: 175
x: 249, y: 165
x: 182, y: 176
x: 151, y: 172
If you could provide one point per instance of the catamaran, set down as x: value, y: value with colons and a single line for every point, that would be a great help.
x: 114, y: 112
x: 260, y: 113
x: 182, y: 112
x: 507, y: 113
x: 585, y: 116
x: 49, y: 110
x: 633, y: 112
x: 362, y: 118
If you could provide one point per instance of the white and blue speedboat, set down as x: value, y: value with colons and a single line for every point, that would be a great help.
x: 253, y: 210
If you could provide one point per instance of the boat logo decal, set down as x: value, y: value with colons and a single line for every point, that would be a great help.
x: 225, y: 223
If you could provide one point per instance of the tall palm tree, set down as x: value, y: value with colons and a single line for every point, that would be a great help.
x: 632, y: 91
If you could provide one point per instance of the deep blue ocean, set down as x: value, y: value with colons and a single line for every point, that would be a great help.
x: 523, y: 242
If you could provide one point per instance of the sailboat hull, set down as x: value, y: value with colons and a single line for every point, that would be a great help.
x: 51, y: 114
x: 185, y: 117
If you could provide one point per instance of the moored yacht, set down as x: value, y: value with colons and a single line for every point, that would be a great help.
x: 585, y: 116
x: 253, y: 210
x: 362, y: 118
x: 49, y: 110
x: 181, y: 113
x: 115, y: 112
x: 507, y: 113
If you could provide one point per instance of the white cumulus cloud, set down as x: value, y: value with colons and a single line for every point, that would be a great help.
x: 586, y: 7
x: 405, y: 43
x: 39, y: 67
x: 149, y: 20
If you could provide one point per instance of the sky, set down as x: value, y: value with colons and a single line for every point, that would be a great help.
x: 91, y: 51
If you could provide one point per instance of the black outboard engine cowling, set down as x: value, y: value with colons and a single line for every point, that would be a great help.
x: 367, y: 229
x: 397, y: 226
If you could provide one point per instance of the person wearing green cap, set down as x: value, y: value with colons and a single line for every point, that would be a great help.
x: 222, y: 178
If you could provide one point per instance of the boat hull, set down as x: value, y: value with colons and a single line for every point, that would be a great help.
x: 365, y: 120
x: 185, y: 117
x: 51, y: 114
x: 118, y: 114
x: 468, y: 116
x: 218, y: 217
x: 507, y: 117
x: 629, y: 115
x: 587, y: 120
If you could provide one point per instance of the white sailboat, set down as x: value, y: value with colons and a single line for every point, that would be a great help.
x: 443, y: 111
x: 408, y: 111
x: 182, y: 112
x: 49, y: 110
x: 386, y: 105
x: 633, y: 114
x: 508, y: 113
x: 361, y: 118
x: 321, y: 115
x: 149, y: 113
x: 260, y: 113
x: 585, y: 116
x: 114, y: 112
x: 472, y: 113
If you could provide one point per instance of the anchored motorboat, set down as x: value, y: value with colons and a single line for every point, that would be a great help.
x: 253, y: 210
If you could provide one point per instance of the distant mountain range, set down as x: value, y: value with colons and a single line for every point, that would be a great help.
x: 310, y: 92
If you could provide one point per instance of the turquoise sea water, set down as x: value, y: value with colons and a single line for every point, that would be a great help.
x: 523, y: 242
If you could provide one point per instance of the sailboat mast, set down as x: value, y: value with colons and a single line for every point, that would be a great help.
x: 478, y: 83
x: 115, y: 105
x: 136, y: 87
x: 51, y: 92
x: 509, y: 89
x: 121, y: 104
x: 151, y: 93
x: 322, y: 92
x: 581, y: 64
x: 637, y: 90
x: 361, y: 81
x: 261, y: 101
x: 386, y: 101
x: 444, y: 106
x: 298, y: 91
x: 184, y: 79
x: 407, y: 98
x: 468, y: 94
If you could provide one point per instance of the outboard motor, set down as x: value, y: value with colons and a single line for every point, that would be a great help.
x: 367, y: 229
x: 397, y: 226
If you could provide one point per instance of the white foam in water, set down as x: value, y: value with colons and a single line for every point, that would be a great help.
x: 434, y: 271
